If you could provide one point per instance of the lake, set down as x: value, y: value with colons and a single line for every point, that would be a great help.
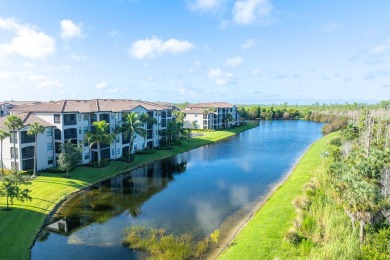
x: 194, y: 192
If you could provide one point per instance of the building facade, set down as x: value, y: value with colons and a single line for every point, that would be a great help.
x: 215, y: 115
x: 70, y: 120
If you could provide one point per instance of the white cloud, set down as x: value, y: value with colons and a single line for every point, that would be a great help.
x: 233, y: 62
x: 102, y: 85
x: 205, y: 5
x: 220, y: 77
x: 256, y: 72
x: 70, y: 30
x: 250, y: 11
x: 27, y: 42
x: 40, y: 81
x: 155, y: 46
x: 78, y: 57
x: 248, y: 44
x: 378, y: 49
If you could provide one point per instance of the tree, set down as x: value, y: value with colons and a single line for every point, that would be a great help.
x: 229, y: 118
x: 130, y: 127
x: 99, y: 136
x: 13, y: 123
x: 180, y: 115
x: 3, y: 135
x: 146, y: 119
x: 11, y: 188
x: 69, y: 157
x: 35, y: 129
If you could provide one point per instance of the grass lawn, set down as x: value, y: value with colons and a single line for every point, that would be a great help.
x: 263, y: 236
x: 19, y: 227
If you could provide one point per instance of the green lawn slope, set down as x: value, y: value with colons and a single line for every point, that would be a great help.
x: 263, y: 236
x: 19, y: 227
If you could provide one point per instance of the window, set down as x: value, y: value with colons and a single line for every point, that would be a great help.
x: 28, y: 164
x: 80, y: 131
x: 15, y: 167
x: 85, y: 117
x: 118, y: 151
x: 135, y: 147
x: 117, y: 139
x: 57, y: 134
x: 27, y: 152
x: 85, y: 130
x: 112, y: 151
x: 70, y: 119
x: 86, y: 156
x: 49, y: 132
x: 25, y: 138
x: 49, y: 146
x: 70, y: 133
x: 58, y: 147
x: 79, y: 117
x: 57, y: 119
x: 14, y: 153
x: 196, y: 115
x: 117, y: 115
x: 11, y: 138
x: 50, y: 160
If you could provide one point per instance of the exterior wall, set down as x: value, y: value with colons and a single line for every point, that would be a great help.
x: 190, y: 118
x: 82, y: 124
x: 214, y: 120
x: 7, y: 152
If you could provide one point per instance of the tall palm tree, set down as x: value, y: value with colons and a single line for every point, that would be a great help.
x: 13, y: 123
x: 3, y: 134
x: 132, y: 125
x: 35, y: 129
x: 146, y: 119
x: 99, y: 136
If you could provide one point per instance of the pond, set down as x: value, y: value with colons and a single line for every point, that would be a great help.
x: 194, y: 192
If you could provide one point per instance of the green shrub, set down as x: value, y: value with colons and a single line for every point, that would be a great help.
x: 293, y: 237
x: 161, y: 245
x: 377, y: 245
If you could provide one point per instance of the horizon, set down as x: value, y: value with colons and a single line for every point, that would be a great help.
x: 238, y: 51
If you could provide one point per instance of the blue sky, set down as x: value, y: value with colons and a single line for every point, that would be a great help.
x: 240, y: 51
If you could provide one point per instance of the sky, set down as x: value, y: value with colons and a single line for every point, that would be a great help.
x: 238, y: 51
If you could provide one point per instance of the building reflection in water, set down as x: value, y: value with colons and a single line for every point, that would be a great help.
x: 124, y: 192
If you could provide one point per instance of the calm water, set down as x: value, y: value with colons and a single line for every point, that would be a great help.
x: 193, y: 192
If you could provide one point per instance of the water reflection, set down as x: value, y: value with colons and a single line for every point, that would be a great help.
x: 194, y: 192
x: 125, y: 192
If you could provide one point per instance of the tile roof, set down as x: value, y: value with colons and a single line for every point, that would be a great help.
x: 211, y: 105
x: 195, y: 110
x: 27, y: 119
x: 89, y: 106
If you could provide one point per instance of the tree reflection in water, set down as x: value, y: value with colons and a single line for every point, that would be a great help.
x: 124, y: 192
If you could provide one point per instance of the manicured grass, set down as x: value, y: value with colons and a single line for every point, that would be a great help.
x: 263, y: 236
x: 19, y: 227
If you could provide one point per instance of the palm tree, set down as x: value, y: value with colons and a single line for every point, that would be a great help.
x: 229, y: 118
x: 3, y: 135
x: 99, y: 136
x: 130, y: 127
x: 35, y: 129
x: 146, y: 119
x: 13, y: 123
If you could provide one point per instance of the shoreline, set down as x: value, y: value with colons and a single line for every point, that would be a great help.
x: 206, y: 141
x: 231, y: 234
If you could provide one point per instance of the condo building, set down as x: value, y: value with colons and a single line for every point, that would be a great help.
x: 69, y: 120
x: 214, y: 115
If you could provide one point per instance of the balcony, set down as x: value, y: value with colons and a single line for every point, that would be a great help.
x: 70, y: 119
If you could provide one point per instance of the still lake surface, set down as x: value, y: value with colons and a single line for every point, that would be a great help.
x: 193, y: 192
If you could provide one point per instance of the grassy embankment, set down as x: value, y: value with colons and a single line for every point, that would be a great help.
x: 19, y: 227
x: 263, y: 236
